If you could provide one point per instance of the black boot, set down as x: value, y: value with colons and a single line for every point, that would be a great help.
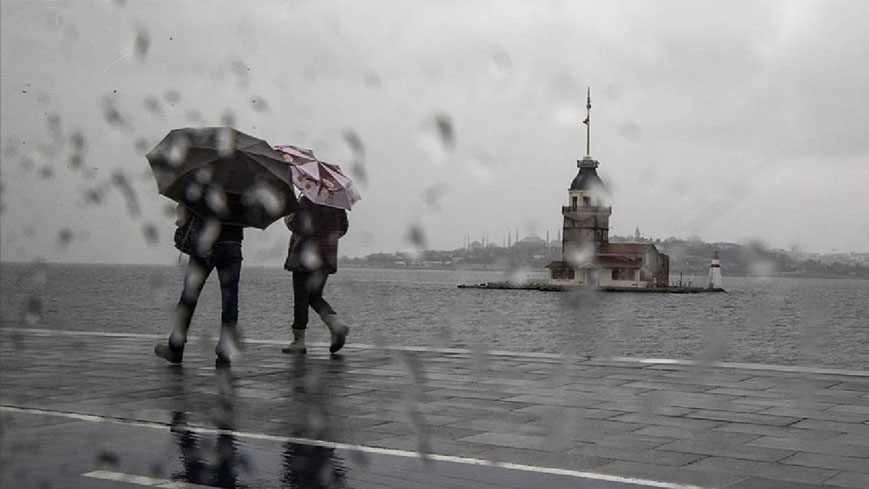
x: 169, y: 353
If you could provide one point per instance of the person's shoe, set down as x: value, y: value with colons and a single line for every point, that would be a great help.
x: 298, y: 343
x: 222, y: 361
x: 169, y: 353
x: 338, y: 330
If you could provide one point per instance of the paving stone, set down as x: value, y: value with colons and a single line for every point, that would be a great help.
x: 643, y: 407
x: 812, y: 446
x: 542, y: 458
x: 778, y: 431
x: 667, y: 386
x: 813, y: 414
x: 732, y: 450
x: 849, y: 408
x: 765, y: 483
x: 745, y: 394
x: 567, y: 412
x: 565, y: 400
x: 653, y: 456
x: 510, y: 440
x: 501, y: 425
x: 632, y: 441
x: 693, y: 400
x: 820, y: 424
x: 851, y: 439
x: 764, y: 469
x: 824, y: 461
x: 850, y: 480
x: 736, y: 417
x: 713, y: 435
x: 404, y: 416
x: 654, y: 419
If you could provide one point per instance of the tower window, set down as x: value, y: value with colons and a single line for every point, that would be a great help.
x: 586, y: 201
x: 574, y: 202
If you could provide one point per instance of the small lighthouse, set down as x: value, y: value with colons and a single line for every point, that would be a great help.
x: 715, y: 280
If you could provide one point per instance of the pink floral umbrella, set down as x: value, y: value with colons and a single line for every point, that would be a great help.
x: 321, y: 182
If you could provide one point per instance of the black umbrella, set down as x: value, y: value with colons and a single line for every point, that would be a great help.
x: 224, y: 173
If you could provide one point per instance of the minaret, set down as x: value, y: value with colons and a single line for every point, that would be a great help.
x: 715, y: 280
x: 586, y: 216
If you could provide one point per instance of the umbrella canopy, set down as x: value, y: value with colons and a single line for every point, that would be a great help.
x: 321, y: 182
x: 224, y: 173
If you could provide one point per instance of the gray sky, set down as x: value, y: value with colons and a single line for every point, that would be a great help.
x: 730, y: 121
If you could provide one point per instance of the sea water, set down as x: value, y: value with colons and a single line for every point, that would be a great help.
x: 784, y: 321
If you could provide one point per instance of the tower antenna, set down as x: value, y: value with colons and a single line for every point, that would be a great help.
x: 587, y: 123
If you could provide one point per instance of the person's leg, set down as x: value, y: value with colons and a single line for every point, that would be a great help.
x: 300, y: 313
x: 316, y: 284
x: 228, y: 262
x: 197, y: 273
x: 301, y: 299
x: 198, y: 270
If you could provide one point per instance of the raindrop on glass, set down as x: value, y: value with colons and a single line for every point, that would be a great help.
x: 152, y: 237
x: 143, y: 42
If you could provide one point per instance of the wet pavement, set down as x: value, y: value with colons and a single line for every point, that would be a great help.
x: 100, y: 410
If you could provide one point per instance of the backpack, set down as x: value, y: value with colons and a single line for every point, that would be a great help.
x: 188, y: 236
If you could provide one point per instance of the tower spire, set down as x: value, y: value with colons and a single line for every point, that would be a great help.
x: 587, y: 123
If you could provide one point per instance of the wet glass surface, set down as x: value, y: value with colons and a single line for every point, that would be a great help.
x: 458, y: 122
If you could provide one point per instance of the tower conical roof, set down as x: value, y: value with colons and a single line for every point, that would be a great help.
x: 587, y: 178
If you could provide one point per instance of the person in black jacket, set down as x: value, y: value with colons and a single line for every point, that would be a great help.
x: 219, y: 246
x: 312, y: 257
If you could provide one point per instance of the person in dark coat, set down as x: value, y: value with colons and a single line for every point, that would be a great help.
x: 218, y: 247
x: 312, y: 257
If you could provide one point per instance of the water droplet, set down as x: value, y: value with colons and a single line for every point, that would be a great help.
x: 143, y: 42
x: 65, y: 237
x: 32, y: 313
x: 263, y: 199
x: 259, y: 104
x: 228, y: 118
x: 309, y: 257
x: 630, y: 131
x: 416, y: 236
x: 226, y: 142
x: 152, y: 105
x: 193, y: 116
x: 501, y: 65
x: 112, y: 114
x: 53, y: 123
x: 107, y: 460
x: 172, y: 97
x: 355, y: 143
x: 177, y: 151
x: 93, y: 196
x: 152, y: 237
x: 478, y: 167
x: 129, y: 193
x: 432, y: 195
x: 437, y: 137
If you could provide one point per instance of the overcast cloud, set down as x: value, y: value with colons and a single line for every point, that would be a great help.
x: 731, y: 121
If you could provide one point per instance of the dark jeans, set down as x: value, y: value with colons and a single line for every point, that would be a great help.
x: 226, y: 257
x: 308, y: 291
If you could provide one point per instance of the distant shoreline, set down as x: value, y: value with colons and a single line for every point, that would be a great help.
x: 468, y: 268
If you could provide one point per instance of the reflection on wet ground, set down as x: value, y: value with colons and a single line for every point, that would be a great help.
x: 43, y: 450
